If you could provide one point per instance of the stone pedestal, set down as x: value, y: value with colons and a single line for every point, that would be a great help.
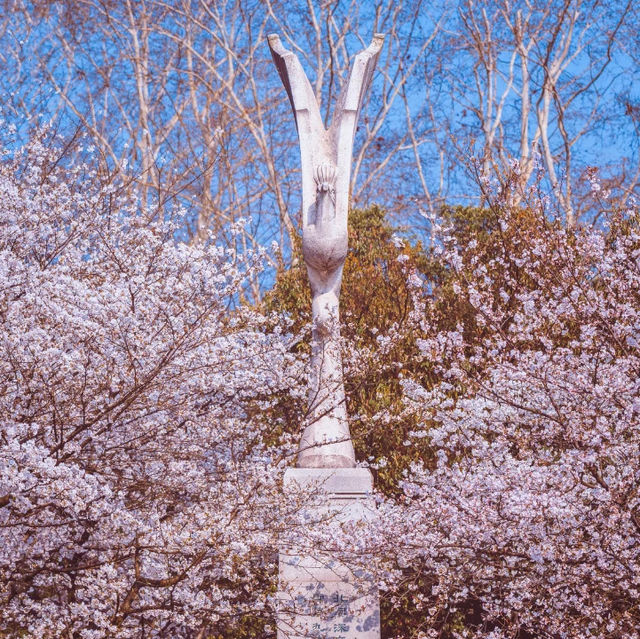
x: 320, y: 597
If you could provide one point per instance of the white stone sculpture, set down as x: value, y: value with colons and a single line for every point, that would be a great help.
x: 326, y: 169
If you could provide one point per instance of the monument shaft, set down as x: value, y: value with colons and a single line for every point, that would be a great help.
x: 326, y: 156
x: 319, y: 596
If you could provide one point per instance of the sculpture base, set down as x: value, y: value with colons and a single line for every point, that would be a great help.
x: 319, y: 596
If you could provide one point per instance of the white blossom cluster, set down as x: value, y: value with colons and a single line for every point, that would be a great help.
x: 137, y: 497
x: 530, y: 509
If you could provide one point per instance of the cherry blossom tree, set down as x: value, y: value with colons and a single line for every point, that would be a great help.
x: 138, y: 497
x: 527, y: 520
x: 143, y: 438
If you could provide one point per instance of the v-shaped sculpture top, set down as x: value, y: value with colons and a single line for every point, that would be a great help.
x: 326, y: 168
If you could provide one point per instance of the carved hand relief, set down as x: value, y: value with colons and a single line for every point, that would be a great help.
x: 325, y: 155
x: 325, y: 179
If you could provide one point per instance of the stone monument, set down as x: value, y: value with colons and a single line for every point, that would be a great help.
x: 321, y: 597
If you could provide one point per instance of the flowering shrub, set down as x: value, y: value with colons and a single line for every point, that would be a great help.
x: 528, y: 521
x: 136, y: 495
